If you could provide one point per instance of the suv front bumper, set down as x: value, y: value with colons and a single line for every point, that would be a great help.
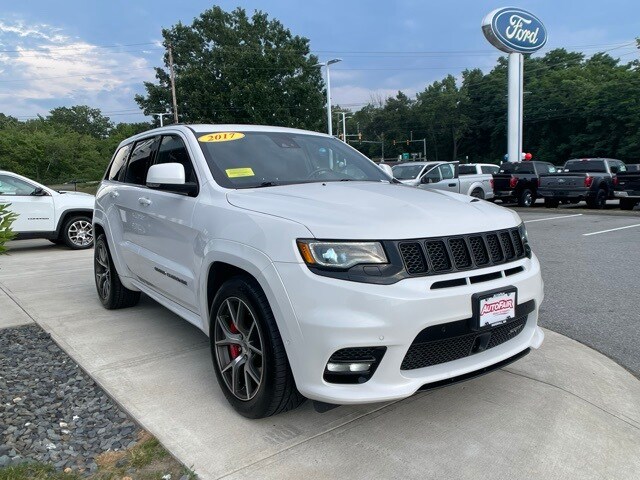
x: 324, y: 315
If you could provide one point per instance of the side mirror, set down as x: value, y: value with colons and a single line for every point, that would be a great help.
x: 386, y: 169
x: 38, y: 192
x: 169, y: 177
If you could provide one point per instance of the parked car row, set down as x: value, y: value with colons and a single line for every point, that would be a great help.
x: 594, y: 180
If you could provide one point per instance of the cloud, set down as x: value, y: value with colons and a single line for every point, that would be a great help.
x: 42, y: 68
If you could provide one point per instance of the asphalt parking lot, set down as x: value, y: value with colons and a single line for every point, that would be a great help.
x: 591, y: 277
x: 564, y: 411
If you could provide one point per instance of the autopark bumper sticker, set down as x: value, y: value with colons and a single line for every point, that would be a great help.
x: 239, y: 172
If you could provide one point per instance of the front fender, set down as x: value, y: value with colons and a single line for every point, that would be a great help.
x: 258, y: 265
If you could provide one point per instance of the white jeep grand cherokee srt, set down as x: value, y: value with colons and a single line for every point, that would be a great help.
x: 313, y: 272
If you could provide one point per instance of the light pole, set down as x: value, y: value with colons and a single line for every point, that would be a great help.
x: 344, y: 125
x: 161, y: 115
x: 326, y: 64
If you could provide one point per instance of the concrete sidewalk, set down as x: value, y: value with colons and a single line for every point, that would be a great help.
x: 564, y: 411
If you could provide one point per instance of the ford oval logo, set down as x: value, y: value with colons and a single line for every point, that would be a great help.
x: 514, y: 30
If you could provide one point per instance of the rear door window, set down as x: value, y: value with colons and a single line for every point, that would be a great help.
x: 140, y: 161
x: 490, y: 169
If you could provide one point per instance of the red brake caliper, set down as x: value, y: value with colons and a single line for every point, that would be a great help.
x: 234, y: 350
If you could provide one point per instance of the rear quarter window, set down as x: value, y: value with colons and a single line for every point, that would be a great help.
x: 118, y: 163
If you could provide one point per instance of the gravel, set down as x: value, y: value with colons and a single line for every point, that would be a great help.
x: 50, y: 410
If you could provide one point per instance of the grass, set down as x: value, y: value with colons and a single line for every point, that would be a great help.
x: 147, y: 460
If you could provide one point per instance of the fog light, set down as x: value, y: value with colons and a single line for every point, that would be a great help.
x: 348, y: 367
x: 353, y: 365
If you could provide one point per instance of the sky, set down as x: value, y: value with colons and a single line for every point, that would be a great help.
x: 99, y: 53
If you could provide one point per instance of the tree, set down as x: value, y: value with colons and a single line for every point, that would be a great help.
x: 81, y: 119
x: 231, y: 68
x: 6, y: 219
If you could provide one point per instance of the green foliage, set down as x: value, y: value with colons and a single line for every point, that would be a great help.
x: 6, y: 219
x: 82, y: 119
x: 574, y: 107
x: 70, y: 143
x: 232, y: 68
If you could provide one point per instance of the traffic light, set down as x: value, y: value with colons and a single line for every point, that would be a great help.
x: 394, y: 142
x: 407, y: 142
x: 360, y: 136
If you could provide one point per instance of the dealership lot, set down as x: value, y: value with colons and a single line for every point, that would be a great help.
x: 564, y: 411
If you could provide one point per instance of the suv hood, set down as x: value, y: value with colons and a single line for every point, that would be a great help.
x: 374, y: 211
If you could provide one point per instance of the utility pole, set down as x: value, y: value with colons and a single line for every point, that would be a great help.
x: 160, y: 115
x: 329, y: 113
x: 173, y: 85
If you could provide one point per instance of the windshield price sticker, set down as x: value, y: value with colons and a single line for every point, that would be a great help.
x: 497, y: 309
x: 239, y: 172
x: 221, y: 137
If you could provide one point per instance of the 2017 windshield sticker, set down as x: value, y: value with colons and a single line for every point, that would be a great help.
x: 239, y: 172
x: 221, y: 137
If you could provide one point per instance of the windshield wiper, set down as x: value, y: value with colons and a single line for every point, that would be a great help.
x: 267, y: 184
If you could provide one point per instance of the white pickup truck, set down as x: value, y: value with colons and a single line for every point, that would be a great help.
x: 61, y: 217
x: 444, y: 176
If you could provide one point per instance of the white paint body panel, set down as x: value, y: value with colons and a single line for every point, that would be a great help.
x: 256, y: 230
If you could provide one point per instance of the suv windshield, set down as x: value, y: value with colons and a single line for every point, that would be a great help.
x: 407, y: 172
x: 265, y: 159
x: 596, y: 166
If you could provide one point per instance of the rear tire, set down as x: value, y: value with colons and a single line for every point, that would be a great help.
x: 111, y: 292
x: 551, y: 203
x: 77, y: 232
x: 478, y: 193
x: 241, y: 324
x: 599, y: 201
x: 526, y: 198
x: 627, y: 204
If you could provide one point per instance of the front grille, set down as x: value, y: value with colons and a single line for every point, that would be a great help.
x: 438, y: 256
x: 434, y: 256
x: 413, y: 258
x: 432, y: 348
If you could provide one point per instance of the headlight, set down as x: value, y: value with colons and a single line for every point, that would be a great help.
x: 340, y: 254
x: 525, y: 239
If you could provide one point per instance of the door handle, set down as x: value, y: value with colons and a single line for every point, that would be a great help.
x: 452, y: 184
x: 144, y: 201
x: 114, y: 194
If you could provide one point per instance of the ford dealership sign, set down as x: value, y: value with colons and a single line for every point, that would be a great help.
x: 514, y: 30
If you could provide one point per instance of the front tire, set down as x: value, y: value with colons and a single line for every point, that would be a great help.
x: 249, y: 358
x: 113, y: 295
x: 77, y: 233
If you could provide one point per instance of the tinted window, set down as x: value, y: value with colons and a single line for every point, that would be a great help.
x: 14, y: 186
x: 466, y: 169
x: 173, y: 150
x: 597, y: 166
x: 140, y: 161
x: 264, y: 159
x: 549, y: 168
x: 490, y: 169
x: 517, y: 167
x: 118, y: 163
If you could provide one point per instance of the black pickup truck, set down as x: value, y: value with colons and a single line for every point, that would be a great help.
x: 627, y: 187
x: 589, y: 179
x: 518, y: 181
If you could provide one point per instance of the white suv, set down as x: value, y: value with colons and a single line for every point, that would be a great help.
x: 59, y: 216
x: 313, y: 272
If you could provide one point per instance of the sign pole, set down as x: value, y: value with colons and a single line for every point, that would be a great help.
x: 514, y: 111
